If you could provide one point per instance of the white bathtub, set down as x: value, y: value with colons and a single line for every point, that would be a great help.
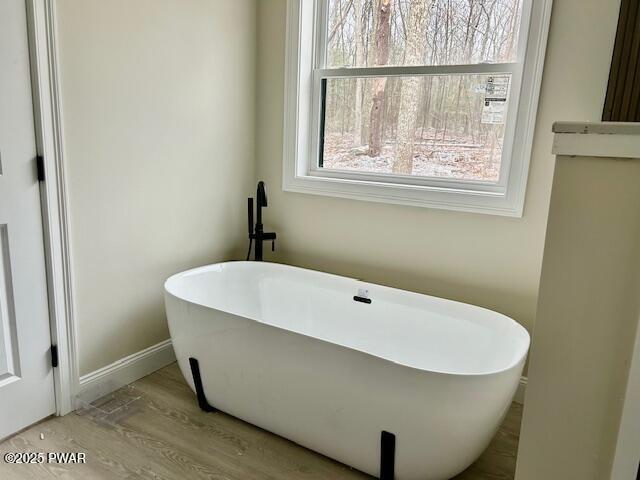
x: 289, y: 350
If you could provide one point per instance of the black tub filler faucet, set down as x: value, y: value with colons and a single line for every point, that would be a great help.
x: 257, y: 233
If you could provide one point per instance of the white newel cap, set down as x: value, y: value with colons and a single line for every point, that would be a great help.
x: 597, y: 139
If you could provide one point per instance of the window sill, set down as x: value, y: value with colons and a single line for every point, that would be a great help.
x: 461, y: 200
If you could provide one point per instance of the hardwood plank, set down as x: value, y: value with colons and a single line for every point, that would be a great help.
x: 154, y: 429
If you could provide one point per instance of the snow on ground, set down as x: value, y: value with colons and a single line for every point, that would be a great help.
x: 453, y: 157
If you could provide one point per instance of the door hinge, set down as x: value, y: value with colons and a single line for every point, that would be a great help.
x: 54, y: 356
x: 40, y: 167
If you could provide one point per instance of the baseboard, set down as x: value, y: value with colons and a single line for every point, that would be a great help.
x: 124, y: 371
x: 522, y: 387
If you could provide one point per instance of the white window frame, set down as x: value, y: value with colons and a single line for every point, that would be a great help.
x: 303, y: 77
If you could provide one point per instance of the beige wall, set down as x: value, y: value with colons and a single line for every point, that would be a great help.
x: 481, y: 259
x: 158, y: 101
x: 587, y: 316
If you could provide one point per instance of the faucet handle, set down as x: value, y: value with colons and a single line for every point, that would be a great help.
x: 261, y: 195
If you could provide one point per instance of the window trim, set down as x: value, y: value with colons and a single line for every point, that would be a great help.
x: 302, y: 125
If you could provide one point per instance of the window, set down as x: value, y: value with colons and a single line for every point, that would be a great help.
x: 420, y: 102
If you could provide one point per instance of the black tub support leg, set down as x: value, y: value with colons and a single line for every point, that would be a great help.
x: 387, y: 455
x: 197, y: 382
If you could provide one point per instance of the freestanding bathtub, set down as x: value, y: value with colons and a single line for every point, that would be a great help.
x: 291, y: 351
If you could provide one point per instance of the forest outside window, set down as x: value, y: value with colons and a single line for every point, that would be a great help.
x: 420, y: 102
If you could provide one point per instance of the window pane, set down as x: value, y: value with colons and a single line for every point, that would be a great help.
x: 448, y: 126
x: 370, y: 33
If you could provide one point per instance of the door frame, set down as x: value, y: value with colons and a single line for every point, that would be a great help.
x: 45, y: 80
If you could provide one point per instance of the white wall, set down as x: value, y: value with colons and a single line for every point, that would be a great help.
x: 480, y: 259
x: 158, y: 100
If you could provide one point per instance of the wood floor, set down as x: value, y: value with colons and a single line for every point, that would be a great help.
x: 154, y: 429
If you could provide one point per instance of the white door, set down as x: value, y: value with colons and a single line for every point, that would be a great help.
x: 26, y: 377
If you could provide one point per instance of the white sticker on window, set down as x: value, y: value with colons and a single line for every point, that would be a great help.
x: 495, y: 100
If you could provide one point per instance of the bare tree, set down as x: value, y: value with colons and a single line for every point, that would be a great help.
x: 360, y: 59
x: 383, y: 31
x: 450, y: 137
x: 338, y: 27
x: 410, y: 93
